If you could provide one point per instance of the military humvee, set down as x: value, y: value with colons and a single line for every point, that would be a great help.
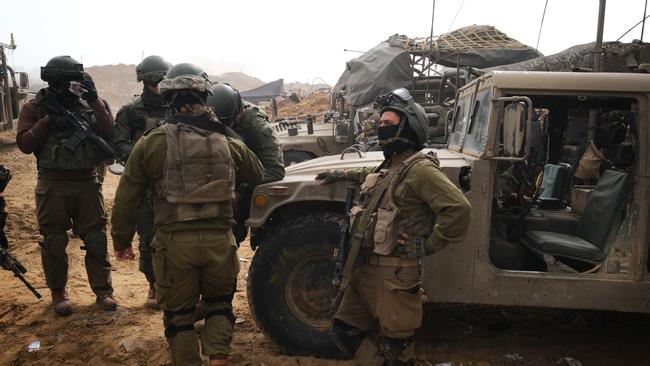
x: 575, y: 238
x: 308, y: 137
x: 12, y: 94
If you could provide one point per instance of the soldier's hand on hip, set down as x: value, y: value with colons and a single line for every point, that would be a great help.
x: 330, y: 176
x: 90, y: 91
x: 124, y: 254
x: 403, y: 239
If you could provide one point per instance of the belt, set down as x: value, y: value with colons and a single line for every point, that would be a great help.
x: 380, y: 260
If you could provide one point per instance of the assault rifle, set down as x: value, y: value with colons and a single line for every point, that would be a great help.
x: 10, y: 263
x: 81, y: 130
x: 7, y: 261
x: 341, y: 251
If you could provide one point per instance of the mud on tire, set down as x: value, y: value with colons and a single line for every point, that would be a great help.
x: 289, y: 284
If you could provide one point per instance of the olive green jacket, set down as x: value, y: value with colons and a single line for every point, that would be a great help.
x: 254, y: 127
x: 126, y: 134
x: 426, y: 187
x: 146, y: 166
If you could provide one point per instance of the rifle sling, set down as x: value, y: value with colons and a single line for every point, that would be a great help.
x: 358, y: 231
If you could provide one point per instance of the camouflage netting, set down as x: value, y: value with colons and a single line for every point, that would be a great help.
x: 389, y: 65
x: 478, y: 46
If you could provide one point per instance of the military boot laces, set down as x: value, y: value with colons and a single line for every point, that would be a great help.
x: 152, y: 302
x: 106, y: 302
x: 61, y: 302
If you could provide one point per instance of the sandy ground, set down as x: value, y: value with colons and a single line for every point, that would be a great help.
x: 133, y: 335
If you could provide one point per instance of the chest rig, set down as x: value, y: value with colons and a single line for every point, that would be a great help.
x: 153, y: 117
x: 53, y: 154
x: 199, y: 179
x: 377, y: 220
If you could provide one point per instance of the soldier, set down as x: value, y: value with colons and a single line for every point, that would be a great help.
x: 252, y: 124
x: 192, y: 167
x: 68, y: 194
x: 146, y: 112
x: 407, y: 208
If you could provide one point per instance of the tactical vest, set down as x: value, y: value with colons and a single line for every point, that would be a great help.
x: 54, y: 155
x: 199, y: 179
x: 153, y: 117
x: 386, y: 225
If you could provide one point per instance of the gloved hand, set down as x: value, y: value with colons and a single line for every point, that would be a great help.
x: 90, y: 94
x: 330, y: 176
x: 138, y: 123
x: 57, y: 122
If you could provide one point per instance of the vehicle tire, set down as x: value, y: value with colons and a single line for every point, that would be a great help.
x: 294, y: 157
x: 290, y: 284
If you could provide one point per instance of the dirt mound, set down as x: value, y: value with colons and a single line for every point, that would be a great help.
x: 313, y: 104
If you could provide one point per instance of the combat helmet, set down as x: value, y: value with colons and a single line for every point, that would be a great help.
x: 412, y: 114
x: 226, y: 102
x: 185, y: 83
x: 152, y: 69
x: 62, y: 69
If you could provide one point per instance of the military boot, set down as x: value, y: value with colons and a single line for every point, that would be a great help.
x: 152, y: 302
x: 218, y: 361
x: 61, y: 302
x: 397, y: 351
x: 106, y: 302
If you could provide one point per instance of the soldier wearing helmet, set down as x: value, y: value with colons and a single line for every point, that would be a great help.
x: 252, y: 124
x: 407, y: 209
x: 68, y: 193
x: 192, y: 166
x: 132, y: 120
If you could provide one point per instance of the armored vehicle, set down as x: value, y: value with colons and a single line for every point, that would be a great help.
x: 555, y: 166
x: 12, y: 94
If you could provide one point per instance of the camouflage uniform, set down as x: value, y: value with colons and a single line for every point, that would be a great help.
x: 252, y: 124
x: 131, y: 122
x: 192, y: 167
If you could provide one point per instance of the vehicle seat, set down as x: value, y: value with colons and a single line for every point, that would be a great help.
x: 602, y: 214
x: 554, y: 185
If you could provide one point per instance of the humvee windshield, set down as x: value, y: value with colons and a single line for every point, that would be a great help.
x: 470, y: 123
x: 542, y: 219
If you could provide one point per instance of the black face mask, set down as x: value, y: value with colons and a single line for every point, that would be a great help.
x: 65, y: 97
x: 386, y: 132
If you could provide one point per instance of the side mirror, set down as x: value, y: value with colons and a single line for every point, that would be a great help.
x: 24, y: 80
x: 514, y: 128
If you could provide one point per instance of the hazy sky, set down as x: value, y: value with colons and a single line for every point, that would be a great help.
x: 294, y: 40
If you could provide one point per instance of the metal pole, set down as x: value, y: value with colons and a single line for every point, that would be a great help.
x: 7, y: 110
x: 599, y: 37
x: 433, y: 12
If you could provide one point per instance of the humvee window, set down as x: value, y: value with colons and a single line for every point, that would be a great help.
x: 476, y: 138
x: 460, y: 117
x: 570, y: 203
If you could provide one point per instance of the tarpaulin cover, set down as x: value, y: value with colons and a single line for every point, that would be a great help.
x: 264, y: 92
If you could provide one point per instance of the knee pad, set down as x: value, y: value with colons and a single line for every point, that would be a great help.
x: 55, y: 244
x: 95, y: 243
x: 346, y: 337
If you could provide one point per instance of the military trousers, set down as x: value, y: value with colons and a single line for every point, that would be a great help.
x: 189, y: 265
x: 144, y: 226
x: 78, y: 205
x: 385, y: 296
